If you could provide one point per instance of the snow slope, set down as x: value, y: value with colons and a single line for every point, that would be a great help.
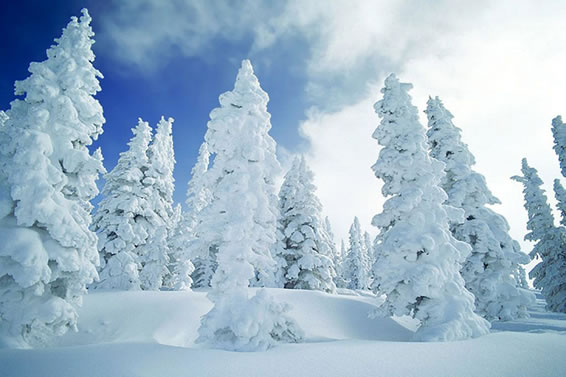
x: 151, y: 334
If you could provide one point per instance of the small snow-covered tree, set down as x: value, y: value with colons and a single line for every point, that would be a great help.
x: 550, y: 241
x: 339, y: 258
x: 3, y: 118
x: 304, y: 252
x: 418, y: 259
x: 241, y: 219
x: 356, y: 268
x: 47, y: 179
x: 559, y: 134
x: 198, y: 197
x: 154, y: 254
x: 121, y: 218
x: 180, y: 267
x: 495, y: 257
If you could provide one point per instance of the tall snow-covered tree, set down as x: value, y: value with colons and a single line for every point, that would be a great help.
x: 241, y: 221
x: 121, y: 220
x: 418, y: 259
x: 495, y: 257
x: 356, y: 268
x: 154, y: 254
x: 550, y: 241
x: 47, y: 179
x: 304, y: 252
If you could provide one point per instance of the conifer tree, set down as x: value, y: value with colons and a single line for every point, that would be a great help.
x: 181, y: 267
x: 488, y: 271
x: 356, y: 262
x: 550, y: 241
x: 198, y: 197
x: 304, y: 252
x: 559, y: 134
x: 47, y: 179
x: 418, y: 259
x: 154, y: 254
x: 121, y: 220
x: 243, y: 208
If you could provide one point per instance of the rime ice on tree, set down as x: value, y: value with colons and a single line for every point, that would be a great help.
x: 47, y: 179
x: 244, y: 207
x: 488, y: 271
x: 418, y: 259
x: 120, y: 220
x: 550, y: 241
x: 304, y: 251
x: 356, y: 262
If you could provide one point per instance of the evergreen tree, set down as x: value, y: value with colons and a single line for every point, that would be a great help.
x: 418, y: 259
x: 560, y: 195
x: 241, y: 221
x: 198, y: 197
x: 339, y: 258
x: 154, y: 254
x: 495, y: 257
x: 304, y: 251
x: 181, y: 267
x: 550, y: 242
x: 356, y: 266
x: 559, y: 134
x: 47, y: 179
x: 121, y: 220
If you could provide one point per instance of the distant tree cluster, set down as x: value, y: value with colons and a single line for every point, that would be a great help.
x: 441, y: 255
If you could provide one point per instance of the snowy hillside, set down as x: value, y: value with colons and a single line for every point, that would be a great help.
x: 151, y: 334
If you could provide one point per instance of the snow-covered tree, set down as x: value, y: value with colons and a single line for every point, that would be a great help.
x: 198, y: 197
x: 495, y: 257
x: 241, y: 221
x: 339, y: 279
x: 47, y: 179
x: 356, y: 267
x: 304, y: 253
x: 154, y: 254
x: 121, y: 220
x: 418, y: 259
x: 3, y: 118
x: 550, y: 241
x: 559, y: 134
x: 180, y: 265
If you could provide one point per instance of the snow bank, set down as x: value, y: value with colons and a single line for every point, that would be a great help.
x: 151, y: 334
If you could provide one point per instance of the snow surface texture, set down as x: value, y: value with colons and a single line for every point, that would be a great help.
x: 550, y: 241
x: 495, y: 258
x: 418, y: 259
x: 304, y: 250
x: 47, y: 179
x: 240, y: 221
x: 151, y: 334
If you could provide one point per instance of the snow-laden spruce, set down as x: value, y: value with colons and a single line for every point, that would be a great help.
x: 121, y: 220
x: 304, y: 252
x: 550, y: 241
x: 418, y: 259
x: 198, y: 197
x: 47, y: 179
x: 495, y: 257
x: 339, y: 258
x: 356, y: 262
x: 559, y: 135
x: 241, y: 221
x: 181, y: 267
x: 154, y: 254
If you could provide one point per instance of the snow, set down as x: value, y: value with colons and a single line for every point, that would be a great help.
x: 148, y: 333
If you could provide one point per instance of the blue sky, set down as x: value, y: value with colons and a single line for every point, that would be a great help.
x: 497, y: 65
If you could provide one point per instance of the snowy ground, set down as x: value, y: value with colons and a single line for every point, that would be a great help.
x: 150, y: 334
